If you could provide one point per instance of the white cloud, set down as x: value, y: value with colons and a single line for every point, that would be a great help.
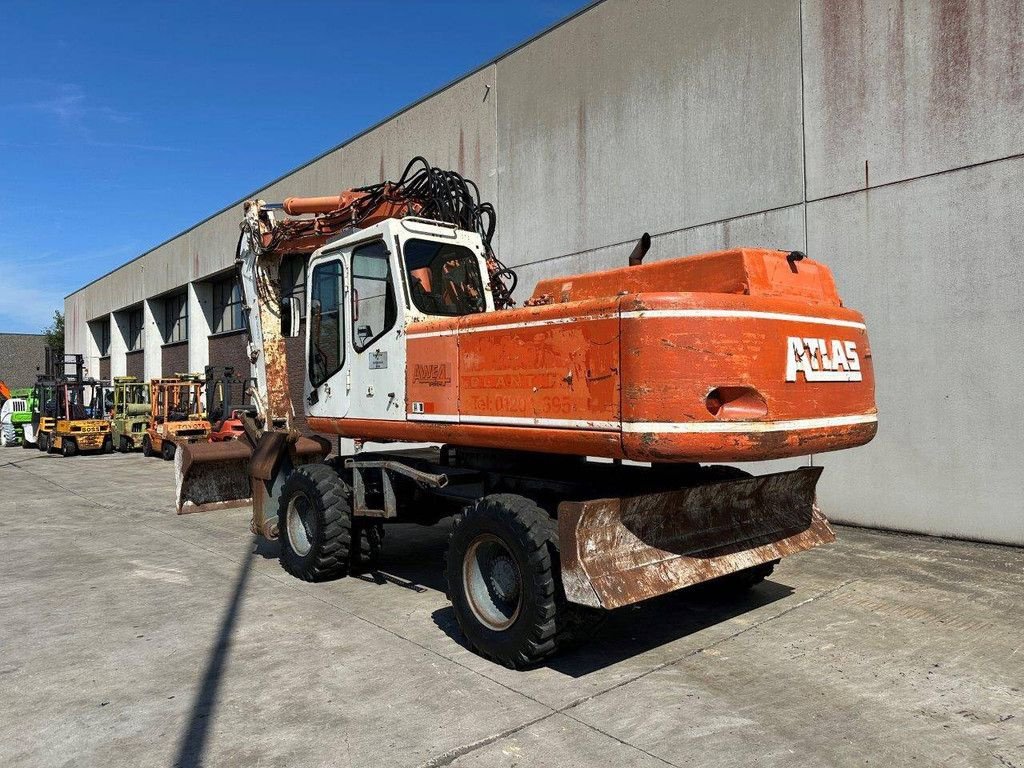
x: 33, y: 285
x: 25, y: 308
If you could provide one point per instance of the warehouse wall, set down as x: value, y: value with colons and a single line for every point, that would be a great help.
x: 883, y: 137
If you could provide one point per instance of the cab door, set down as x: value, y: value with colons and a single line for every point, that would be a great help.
x: 327, y: 378
x: 376, y: 346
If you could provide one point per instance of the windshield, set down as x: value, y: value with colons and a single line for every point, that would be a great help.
x: 444, y: 279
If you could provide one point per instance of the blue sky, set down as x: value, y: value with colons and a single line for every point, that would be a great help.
x: 122, y: 124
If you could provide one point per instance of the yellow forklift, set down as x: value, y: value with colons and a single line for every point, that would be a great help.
x: 74, y: 413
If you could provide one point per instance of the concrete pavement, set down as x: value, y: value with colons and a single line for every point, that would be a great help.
x: 133, y: 637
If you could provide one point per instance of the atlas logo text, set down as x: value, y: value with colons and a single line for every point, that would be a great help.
x: 822, y: 359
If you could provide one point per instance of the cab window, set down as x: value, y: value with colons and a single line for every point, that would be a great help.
x: 444, y: 279
x: 326, y: 353
x: 374, y: 311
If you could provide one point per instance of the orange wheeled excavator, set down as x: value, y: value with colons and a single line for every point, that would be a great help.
x: 579, y: 437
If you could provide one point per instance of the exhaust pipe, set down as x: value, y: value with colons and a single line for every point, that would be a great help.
x: 640, y: 250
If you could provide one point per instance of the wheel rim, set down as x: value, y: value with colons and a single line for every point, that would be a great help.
x: 299, y: 524
x: 492, y: 582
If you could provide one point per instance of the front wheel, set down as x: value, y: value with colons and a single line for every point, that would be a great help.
x: 42, y: 443
x: 504, y: 581
x: 68, y: 447
x: 315, y: 524
x: 108, y: 445
x: 147, y: 446
x: 167, y: 450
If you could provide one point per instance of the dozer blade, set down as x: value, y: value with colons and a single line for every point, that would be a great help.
x: 210, y: 476
x: 615, y: 552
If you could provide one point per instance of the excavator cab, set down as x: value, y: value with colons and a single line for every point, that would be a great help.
x: 363, y: 293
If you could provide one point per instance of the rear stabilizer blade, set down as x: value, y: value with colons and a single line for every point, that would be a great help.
x: 620, y: 551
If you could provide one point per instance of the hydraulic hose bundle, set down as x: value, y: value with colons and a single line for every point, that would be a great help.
x: 422, y: 190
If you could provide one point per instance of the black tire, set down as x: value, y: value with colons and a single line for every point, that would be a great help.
x: 41, y: 443
x: 49, y: 444
x: 167, y: 450
x: 316, y: 510
x: 108, y: 444
x: 68, y: 447
x: 370, y: 535
x: 25, y: 443
x: 542, y: 621
x: 147, y: 446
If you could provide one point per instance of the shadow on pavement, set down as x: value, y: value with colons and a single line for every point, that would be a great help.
x: 193, y: 740
x: 268, y: 550
x: 414, y: 559
x: 636, y: 629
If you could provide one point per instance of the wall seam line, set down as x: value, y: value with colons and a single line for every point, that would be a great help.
x: 919, y: 177
x: 659, y: 234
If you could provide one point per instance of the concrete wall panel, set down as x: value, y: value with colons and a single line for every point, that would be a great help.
x: 909, y: 87
x: 454, y: 129
x: 648, y: 116
x: 782, y: 229
x: 322, y: 177
x: 200, y: 311
x: 932, y: 264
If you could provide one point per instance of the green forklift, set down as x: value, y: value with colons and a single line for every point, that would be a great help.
x: 15, y: 414
x: 131, y: 413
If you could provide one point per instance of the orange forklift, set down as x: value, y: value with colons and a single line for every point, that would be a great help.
x: 177, y: 415
x: 229, y: 397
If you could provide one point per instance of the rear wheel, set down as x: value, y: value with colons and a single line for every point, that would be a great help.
x: 8, y: 435
x: 504, y: 581
x: 123, y: 446
x: 167, y: 450
x: 68, y: 447
x: 315, y: 524
x: 147, y: 446
x: 108, y: 444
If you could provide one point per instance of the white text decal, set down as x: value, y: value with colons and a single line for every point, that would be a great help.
x: 822, y: 359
